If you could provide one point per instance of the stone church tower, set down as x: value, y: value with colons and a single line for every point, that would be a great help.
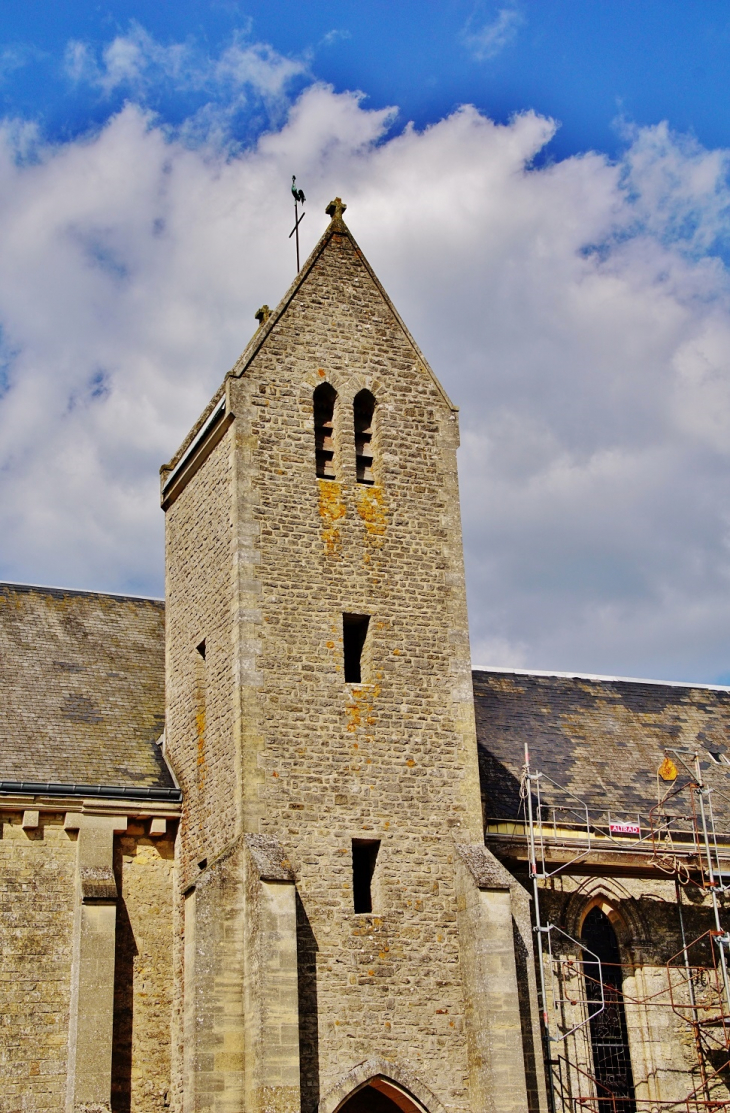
x: 318, y: 918
x: 343, y: 929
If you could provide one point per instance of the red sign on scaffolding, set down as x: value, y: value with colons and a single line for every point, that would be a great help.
x: 624, y: 829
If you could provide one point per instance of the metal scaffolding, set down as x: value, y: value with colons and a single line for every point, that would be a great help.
x: 598, y: 1015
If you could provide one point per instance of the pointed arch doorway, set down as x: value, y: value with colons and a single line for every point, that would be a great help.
x: 379, y: 1095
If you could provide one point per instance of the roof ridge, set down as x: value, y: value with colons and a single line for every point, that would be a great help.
x: 599, y: 676
x: 79, y: 591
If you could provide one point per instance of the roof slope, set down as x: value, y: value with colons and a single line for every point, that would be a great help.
x: 82, y: 688
x: 601, y: 740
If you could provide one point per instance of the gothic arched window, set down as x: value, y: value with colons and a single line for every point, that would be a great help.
x: 325, y: 397
x: 364, y: 408
x: 609, y: 1035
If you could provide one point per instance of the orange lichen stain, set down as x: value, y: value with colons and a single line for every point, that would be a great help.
x: 330, y: 645
x: 321, y: 373
x: 410, y: 763
x: 397, y: 652
x: 361, y: 707
x: 274, y: 774
x: 331, y: 509
x: 372, y: 511
x: 200, y: 728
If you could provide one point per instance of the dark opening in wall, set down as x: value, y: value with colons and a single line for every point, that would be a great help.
x: 603, y: 975
x: 364, y: 857
x: 354, y: 633
x: 324, y: 412
x: 364, y: 408
x: 201, y: 649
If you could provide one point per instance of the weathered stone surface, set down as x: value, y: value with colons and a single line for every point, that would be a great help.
x: 143, y: 976
x: 265, y: 735
x: 37, y: 871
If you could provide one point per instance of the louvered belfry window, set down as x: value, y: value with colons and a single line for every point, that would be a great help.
x: 325, y: 397
x: 364, y: 408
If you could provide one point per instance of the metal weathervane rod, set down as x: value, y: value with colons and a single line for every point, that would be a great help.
x: 299, y: 199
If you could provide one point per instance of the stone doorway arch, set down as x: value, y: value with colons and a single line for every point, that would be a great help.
x: 380, y: 1096
x: 375, y: 1086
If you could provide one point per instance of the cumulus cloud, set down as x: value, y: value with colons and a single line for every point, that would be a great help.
x: 579, y: 313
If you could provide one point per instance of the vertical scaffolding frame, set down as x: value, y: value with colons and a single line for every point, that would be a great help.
x: 696, y: 994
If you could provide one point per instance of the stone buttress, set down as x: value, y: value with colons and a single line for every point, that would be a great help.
x: 339, y: 918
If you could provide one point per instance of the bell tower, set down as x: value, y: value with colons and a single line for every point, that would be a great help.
x: 340, y: 923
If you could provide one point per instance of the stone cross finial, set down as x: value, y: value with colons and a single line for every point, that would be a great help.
x: 336, y: 208
x: 262, y: 315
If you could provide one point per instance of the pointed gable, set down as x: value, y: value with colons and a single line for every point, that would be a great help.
x: 338, y: 277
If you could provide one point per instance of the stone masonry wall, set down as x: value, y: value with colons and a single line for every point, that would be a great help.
x: 200, y: 702
x: 392, y: 758
x: 262, y: 560
x: 37, y: 869
x: 38, y: 892
x: 143, y: 976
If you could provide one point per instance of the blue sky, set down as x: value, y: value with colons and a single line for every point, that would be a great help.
x: 586, y: 63
x: 559, y: 249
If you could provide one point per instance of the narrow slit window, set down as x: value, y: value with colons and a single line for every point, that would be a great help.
x: 364, y: 408
x: 200, y: 681
x: 354, y: 635
x: 364, y: 857
x: 324, y: 444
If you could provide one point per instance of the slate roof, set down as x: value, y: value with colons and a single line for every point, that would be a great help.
x: 601, y: 740
x: 82, y: 690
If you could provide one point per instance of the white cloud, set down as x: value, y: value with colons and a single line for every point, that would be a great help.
x: 572, y: 311
x: 242, y: 76
x: 491, y: 38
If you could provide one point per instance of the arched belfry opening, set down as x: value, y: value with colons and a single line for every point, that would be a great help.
x: 609, y: 1035
x: 324, y: 400
x: 380, y: 1095
x: 364, y: 409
